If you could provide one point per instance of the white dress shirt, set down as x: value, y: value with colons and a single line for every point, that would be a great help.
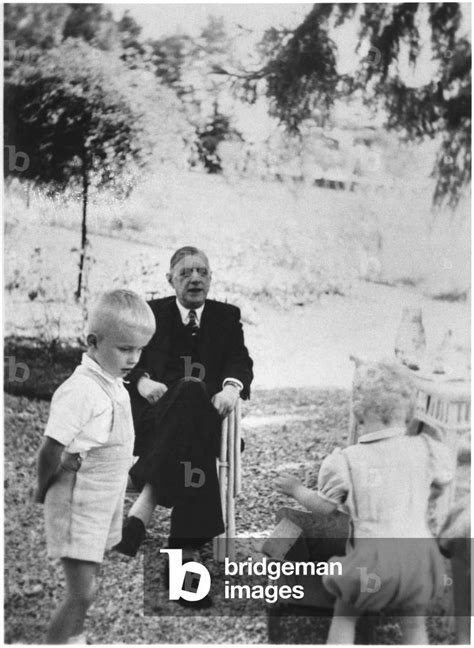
x: 184, y: 312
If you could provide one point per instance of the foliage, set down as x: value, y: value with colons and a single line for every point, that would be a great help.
x: 129, y: 32
x: 216, y: 130
x: 303, y: 81
x: 92, y: 23
x: 187, y: 65
x: 76, y: 107
x: 83, y: 119
x: 169, y: 55
x: 34, y: 25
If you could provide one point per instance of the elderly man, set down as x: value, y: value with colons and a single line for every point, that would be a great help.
x: 189, y: 377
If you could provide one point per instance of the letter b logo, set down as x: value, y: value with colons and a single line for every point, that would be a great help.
x: 17, y: 371
x: 189, y: 474
x: 190, y: 366
x: 369, y: 583
x: 190, y: 581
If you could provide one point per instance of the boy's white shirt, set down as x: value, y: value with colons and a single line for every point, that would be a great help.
x: 81, y: 412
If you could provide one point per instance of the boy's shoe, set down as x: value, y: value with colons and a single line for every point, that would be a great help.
x: 133, y: 534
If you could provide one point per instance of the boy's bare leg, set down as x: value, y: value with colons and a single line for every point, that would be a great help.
x: 81, y: 584
x: 343, y: 624
x: 414, y: 630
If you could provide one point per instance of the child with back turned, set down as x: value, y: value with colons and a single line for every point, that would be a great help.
x: 384, y: 481
x: 86, y: 454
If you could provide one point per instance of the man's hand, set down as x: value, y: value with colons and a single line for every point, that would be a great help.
x: 225, y: 400
x: 151, y: 389
x: 287, y: 484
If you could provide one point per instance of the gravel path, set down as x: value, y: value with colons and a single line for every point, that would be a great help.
x: 291, y: 429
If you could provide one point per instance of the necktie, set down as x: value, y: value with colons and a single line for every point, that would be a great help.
x: 192, y: 324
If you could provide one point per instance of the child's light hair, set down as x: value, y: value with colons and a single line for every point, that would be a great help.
x: 384, y: 389
x: 120, y: 307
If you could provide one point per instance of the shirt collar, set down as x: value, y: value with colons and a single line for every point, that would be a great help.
x: 91, y: 364
x: 385, y: 433
x: 184, y: 312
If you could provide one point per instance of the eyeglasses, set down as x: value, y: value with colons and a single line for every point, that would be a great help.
x: 185, y: 273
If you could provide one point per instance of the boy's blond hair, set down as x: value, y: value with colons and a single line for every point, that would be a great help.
x: 120, y: 307
x: 383, y: 388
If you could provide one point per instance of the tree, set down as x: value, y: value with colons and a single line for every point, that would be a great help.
x: 83, y: 119
x: 92, y: 23
x: 129, y: 30
x: 34, y: 25
x: 217, y: 130
x: 169, y: 56
x: 43, y: 26
x: 302, y: 81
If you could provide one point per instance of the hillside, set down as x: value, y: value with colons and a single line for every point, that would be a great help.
x: 296, y: 259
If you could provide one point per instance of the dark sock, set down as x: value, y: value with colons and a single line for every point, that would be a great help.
x: 133, y: 534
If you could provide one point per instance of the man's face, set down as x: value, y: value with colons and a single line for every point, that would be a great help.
x: 191, y: 279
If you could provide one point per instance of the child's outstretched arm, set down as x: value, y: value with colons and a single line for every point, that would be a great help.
x: 310, y: 499
x: 49, y: 458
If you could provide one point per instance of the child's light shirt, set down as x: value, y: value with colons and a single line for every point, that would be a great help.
x: 384, y: 481
x: 81, y: 412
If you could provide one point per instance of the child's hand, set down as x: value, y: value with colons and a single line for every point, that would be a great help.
x: 287, y: 484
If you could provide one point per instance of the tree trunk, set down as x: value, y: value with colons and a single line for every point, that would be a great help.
x: 85, y: 192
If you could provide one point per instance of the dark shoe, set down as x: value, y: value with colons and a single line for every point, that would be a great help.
x: 203, y: 604
x: 133, y: 534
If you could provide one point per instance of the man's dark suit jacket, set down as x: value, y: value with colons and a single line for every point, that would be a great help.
x: 183, y: 426
x: 221, y: 348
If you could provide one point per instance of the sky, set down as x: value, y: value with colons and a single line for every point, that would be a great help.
x: 167, y: 18
x: 162, y: 19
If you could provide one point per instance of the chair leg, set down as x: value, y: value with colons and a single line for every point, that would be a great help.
x: 229, y: 469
